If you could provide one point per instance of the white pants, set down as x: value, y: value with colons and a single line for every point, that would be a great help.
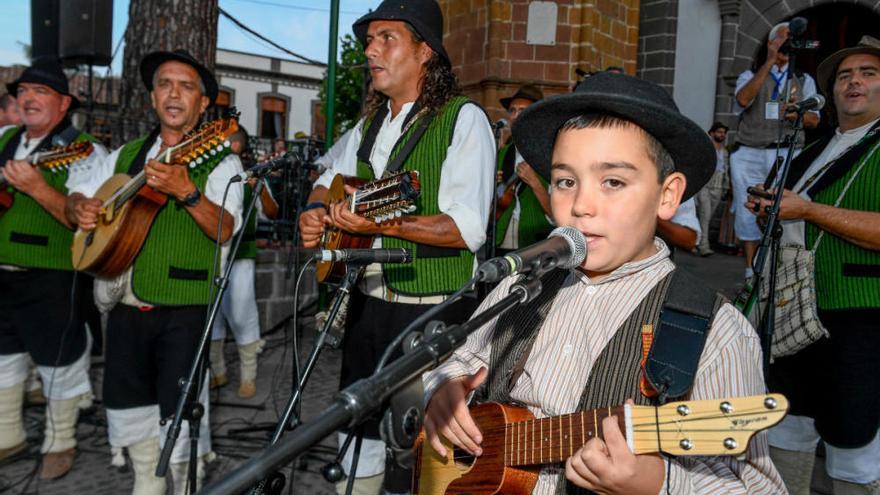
x: 61, y: 383
x: 748, y: 167
x: 133, y: 425
x: 860, y: 465
x: 239, y: 305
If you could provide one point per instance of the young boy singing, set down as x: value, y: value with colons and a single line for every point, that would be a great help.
x: 619, y: 156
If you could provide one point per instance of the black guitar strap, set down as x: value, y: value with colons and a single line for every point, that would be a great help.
x: 141, y: 158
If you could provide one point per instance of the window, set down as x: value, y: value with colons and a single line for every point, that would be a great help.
x: 273, y: 120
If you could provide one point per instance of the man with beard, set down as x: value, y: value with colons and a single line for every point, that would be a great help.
x: 159, y: 304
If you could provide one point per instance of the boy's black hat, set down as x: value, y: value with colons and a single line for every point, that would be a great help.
x: 644, y: 103
x: 424, y: 16
x: 48, y: 72
x: 151, y: 62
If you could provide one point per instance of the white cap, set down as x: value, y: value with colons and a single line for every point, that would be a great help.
x: 775, y: 30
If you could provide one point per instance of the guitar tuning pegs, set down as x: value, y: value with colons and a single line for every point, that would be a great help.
x: 226, y: 144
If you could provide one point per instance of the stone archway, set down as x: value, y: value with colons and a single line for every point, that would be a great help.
x: 751, y: 20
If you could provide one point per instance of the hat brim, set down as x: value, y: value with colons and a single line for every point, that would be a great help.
x: 828, y: 67
x: 534, y: 132
x: 12, y: 89
x: 505, y: 102
x: 151, y: 62
x: 361, y: 26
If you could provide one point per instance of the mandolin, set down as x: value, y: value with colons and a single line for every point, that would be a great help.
x: 130, y: 206
x: 53, y: 159
x: 515, y: 444
x: 381, y: 200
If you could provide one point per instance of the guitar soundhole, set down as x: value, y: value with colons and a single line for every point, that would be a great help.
x: 463, y: 460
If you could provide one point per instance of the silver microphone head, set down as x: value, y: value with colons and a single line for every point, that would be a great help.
x: 576, y: 242
x: 820, y: 101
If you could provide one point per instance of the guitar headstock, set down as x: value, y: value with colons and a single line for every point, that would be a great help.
x: 705, y: 427
x: 60, y: 157
x: 205, y: 142
x: 388, y: 198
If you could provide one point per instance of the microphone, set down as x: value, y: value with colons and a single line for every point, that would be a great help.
x: 262, y: 169
x: 500, y: 124
x: 565, y: 247
x: 815, y: 102
x: 364, y: 256
x: 796, y: 27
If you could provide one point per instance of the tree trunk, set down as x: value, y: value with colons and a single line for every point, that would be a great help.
x: 161, y: 25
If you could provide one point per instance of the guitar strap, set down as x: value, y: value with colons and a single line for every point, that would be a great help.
x: 365, y: 151
x: 141, y: 158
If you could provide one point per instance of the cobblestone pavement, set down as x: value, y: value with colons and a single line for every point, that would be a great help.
x: 93, y: 473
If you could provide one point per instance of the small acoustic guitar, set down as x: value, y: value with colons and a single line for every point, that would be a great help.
x: 381, y: 200
x: 130, y: 206
x: 515, y: 444
x: 53, y: 159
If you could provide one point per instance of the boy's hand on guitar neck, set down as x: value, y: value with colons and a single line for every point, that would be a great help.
x: 447, y: 414
x: 23, y: 176
x: 608, y: 466
x: 172, y: 180
x: 82, y: 211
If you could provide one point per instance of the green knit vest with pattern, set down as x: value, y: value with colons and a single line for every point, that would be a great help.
x: 247, y: 250
x: 30, y: 237
x: 533, y: 224
x: 848, y: 276
x: 174, y: 266
x: 426, y: 275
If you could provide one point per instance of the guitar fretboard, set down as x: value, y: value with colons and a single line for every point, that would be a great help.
x: 554, y: 439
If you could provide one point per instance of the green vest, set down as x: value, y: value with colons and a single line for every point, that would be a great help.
x: 248, y: 247
x: 30, y: 237
x: 428, y: 274
x: 173, y: 267
x: 533, y: 224
x: 848, y: 276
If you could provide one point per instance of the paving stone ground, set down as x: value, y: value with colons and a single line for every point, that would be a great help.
x: 93, y: 474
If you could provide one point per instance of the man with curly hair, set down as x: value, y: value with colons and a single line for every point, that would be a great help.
x: 415, y: 119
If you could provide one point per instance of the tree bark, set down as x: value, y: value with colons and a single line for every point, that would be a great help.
x: 167, y: 25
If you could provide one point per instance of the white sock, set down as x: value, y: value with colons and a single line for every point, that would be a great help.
x: 749, y: 272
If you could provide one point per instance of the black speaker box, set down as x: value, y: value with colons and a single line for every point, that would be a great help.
x: 85, y: 31
x: 44, y: 28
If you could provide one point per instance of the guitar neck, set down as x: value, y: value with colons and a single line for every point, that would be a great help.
x: 555, y: 439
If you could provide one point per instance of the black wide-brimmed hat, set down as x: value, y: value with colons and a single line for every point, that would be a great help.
x: 423, y: 15
x: 828, y: 67
x: 644, y: 103
x: 526, y: 92
x: 48, y: 72
x: 152, y: 61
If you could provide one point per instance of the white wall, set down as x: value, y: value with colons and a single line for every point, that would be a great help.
x: 299, y: 117
x: 696, y: 59
x: 245, y: 100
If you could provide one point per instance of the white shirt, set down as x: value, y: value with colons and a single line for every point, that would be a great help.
x: 808, y: 89
x: 466, y: 181
x: 214, y: 189
x: 794, y: 231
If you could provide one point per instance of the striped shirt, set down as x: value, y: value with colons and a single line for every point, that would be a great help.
x: 559, y: 365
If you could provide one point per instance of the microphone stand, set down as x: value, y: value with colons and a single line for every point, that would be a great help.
x: 188, y: 405
x: 276, y: 479
x: 360, y: 400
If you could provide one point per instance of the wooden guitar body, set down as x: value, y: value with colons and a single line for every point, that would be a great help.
x: 333, y: 238
x: 459, y: 473
x: 112, y: 246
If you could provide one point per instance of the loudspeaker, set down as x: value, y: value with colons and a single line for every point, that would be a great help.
x: 85, y: 31
x: 44, y: 28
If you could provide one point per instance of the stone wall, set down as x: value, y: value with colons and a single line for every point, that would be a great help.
x: 486, y: 40
x: 275, y: 291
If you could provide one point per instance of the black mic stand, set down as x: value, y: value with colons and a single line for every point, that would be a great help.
x: 188, y: 405
x: 359, y: 401
x: 276, y: 480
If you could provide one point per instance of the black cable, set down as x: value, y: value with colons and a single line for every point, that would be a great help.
x: 267, y: 40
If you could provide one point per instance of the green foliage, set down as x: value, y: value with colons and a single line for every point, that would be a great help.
x: 349, y: 86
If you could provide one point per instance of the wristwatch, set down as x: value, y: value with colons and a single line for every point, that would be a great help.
x: 192, y: 198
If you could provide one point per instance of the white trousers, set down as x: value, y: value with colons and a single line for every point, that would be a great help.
x: 239, y: 305
x: 860, y: 465
x: 61, y: 383
x: 748, y: 167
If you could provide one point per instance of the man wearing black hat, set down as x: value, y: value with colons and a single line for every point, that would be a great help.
x: 159, y: 304
x: 523, y: 205
x: 832, y: 206
x: 39, y: 294
x: 415, y: 120
x: 618, y: 155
